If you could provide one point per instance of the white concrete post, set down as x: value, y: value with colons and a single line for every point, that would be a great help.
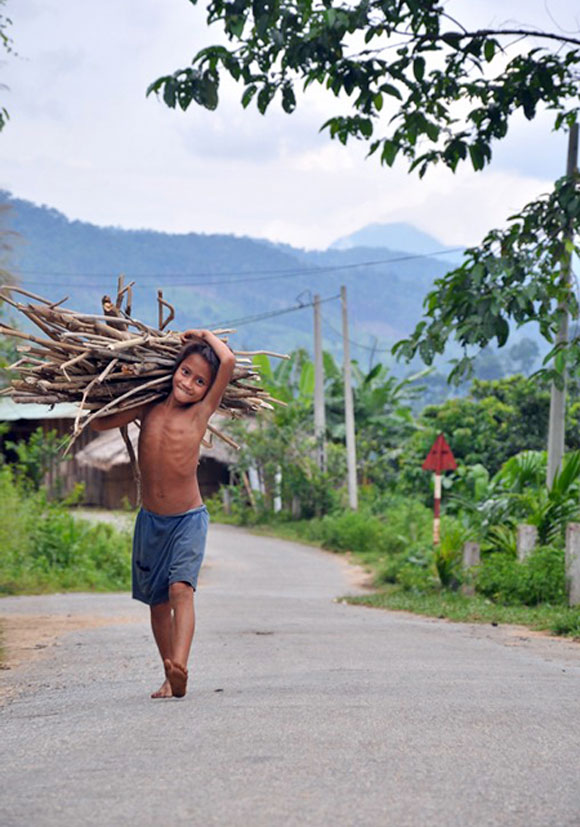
x: 573, y: 563
x: 226, y: 500
x: 471, y: 555
x: 278, y: 490
x: 527, y: 540
x: 471, y: 558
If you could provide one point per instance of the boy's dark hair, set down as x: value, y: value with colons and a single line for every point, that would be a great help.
x: 204, y: 351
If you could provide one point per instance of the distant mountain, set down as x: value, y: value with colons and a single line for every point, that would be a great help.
x: 218, y: 279
x: 226, y: 281
x: 393, y: 236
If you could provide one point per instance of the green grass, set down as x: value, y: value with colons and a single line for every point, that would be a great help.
x: 558, y: 620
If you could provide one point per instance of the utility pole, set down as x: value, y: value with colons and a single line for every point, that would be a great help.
x: 348, y: 409
x: 319, y: 414
x: 557, y: 423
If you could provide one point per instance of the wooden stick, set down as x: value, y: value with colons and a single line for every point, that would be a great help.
x: 212, y: 429
x: 162, y: 303
x: 260, y: 353
x: 15, y: 289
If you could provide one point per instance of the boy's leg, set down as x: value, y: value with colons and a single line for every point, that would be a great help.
x: 161, y: 624
x: 181, y: 601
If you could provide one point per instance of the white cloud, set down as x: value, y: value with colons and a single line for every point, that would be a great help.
x: 84, y: 139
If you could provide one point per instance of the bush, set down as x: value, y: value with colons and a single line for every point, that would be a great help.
x: 448, y: 555
x: 352, y: 530
x: 45, y: 548
x: 538, y: 579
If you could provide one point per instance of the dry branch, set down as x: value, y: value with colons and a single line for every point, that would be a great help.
x: 95, y: 361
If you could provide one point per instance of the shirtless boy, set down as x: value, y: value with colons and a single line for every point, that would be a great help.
x: 171, y: 527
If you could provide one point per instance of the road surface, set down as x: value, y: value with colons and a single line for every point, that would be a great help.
x: 303, y: 710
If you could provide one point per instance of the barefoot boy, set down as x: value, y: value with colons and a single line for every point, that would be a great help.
x: 171, y: 527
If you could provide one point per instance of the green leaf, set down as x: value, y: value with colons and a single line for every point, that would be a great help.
x: 306, y: 384
x: 502, y: 331
x: 489, y: 50
x: 389, y: 153
x: 235, y: 25
x: 288, y: 99
x: 365, y: 126
x: 170, y: 92
x: 265, y: 368
x: 419, y: 68
x: 331, y: 369
x: 389, y: 89
x: 249, y: 93
x: 378, y: 101
x: 265, y: 96
x: 210, y: 92
x: 476, y: 155
x: 432, y: 130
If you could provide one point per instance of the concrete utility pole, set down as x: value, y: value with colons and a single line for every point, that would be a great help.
x: 348, y: 409
x: 557, y: 423
x: 319, y: 413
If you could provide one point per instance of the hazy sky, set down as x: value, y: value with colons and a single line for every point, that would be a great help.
x: 83, y: 138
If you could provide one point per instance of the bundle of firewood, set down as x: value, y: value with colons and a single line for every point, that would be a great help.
x: 110, y: 362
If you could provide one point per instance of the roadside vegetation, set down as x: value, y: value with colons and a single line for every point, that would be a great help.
x: 496, y: 433
x: 45, y: 548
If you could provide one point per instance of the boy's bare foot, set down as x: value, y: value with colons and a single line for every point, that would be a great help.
x: 164, y: 691
x: 177, y: 677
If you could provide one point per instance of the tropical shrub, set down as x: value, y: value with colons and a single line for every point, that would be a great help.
x: 539, y: 578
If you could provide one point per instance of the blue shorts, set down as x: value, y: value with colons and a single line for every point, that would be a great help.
x: 167, y: 549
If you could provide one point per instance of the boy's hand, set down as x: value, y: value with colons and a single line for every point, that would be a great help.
x: 193, y: 334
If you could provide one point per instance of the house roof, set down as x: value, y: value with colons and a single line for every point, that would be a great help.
x: 108, y: 450
x: 11, y: 411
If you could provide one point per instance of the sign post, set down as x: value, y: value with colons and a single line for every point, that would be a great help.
x: 440, y: 458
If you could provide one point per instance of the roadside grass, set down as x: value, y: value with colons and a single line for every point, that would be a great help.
x: 45, y: 548
x: 559, y: 620
x: 428, y: 597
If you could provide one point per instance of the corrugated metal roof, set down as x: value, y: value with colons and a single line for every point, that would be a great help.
x: 10, y: 411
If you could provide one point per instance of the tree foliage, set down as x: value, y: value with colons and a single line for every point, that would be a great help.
x: 422, y: 86
x: 410, y: 52
x: 518, y: 274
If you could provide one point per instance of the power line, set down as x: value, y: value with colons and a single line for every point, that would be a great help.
x: 201, y: 278
x: 352, y: 342
x: 270, y: 314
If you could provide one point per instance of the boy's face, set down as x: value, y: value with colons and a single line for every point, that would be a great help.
x: 191, y: 380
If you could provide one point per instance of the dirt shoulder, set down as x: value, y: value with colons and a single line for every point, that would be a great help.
x: 30, y: 629
x: 25, y: 636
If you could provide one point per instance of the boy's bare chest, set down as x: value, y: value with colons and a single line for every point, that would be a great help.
x: 162, y: 435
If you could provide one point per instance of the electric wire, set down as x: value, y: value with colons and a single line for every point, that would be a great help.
x: 269, y: 314
x: 202, y: 277
x: 374, y: 348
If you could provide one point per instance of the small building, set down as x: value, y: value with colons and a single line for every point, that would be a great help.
x: 24, y: 419
x: 99, y: 459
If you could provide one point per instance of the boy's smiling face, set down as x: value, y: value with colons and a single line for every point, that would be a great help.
x: 191, y: 380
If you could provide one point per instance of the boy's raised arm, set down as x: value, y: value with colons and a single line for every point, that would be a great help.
x: 227, y: 361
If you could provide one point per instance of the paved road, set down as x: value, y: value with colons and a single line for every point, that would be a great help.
x: 303, y: 711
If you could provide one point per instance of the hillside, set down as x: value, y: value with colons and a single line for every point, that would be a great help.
x: 223, y: 280
x: 217, y: 278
